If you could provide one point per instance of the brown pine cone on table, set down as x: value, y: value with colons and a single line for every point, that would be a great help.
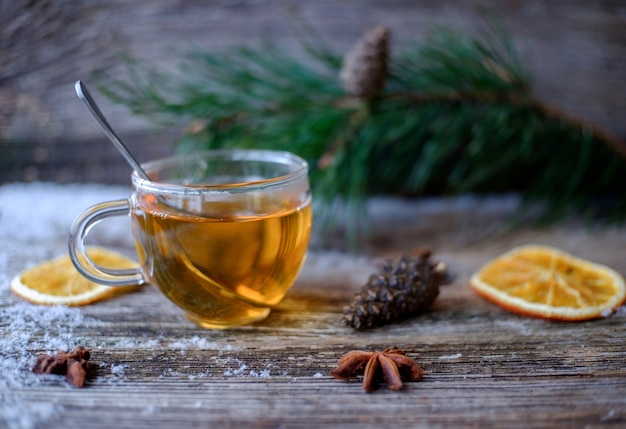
x: 402, y: 288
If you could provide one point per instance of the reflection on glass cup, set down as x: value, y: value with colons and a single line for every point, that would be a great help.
x: 223, y: 234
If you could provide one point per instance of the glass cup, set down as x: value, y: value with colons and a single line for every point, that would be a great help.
x: 223, y: 234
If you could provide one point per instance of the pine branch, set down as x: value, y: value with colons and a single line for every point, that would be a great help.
x: 456, y: 115
x: 598, y: 133
x: 543, y: 108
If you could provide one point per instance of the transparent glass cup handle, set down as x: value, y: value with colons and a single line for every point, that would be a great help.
x: 79, y: 230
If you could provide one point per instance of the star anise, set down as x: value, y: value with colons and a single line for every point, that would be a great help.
x: 391, y: 364
x: 74, y: 365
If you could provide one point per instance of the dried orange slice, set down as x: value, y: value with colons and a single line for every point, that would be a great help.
x: 57, y: 282
x: 545, y: 282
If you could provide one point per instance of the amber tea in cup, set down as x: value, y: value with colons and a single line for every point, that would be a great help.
x: 222, y: 234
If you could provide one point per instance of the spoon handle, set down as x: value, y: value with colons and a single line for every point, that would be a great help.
x: 83, y: 94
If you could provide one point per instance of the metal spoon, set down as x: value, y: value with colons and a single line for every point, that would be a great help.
x: 83, y: 94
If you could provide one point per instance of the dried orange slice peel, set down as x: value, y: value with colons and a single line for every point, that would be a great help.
x: 57, y: 282
x: 546, y: 282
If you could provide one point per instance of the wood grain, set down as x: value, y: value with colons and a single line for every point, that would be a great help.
x: 484, y: 366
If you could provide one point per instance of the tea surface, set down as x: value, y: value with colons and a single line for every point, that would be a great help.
x: 222, y: 267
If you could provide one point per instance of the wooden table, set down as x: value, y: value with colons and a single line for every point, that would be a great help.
x: 154, y: 369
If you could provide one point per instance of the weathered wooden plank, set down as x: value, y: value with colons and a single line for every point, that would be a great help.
x: 484, y: 367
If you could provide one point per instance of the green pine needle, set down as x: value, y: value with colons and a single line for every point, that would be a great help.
x: 457, y: 116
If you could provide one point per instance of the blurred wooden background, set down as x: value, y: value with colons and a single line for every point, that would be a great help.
x: 576, y: 50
